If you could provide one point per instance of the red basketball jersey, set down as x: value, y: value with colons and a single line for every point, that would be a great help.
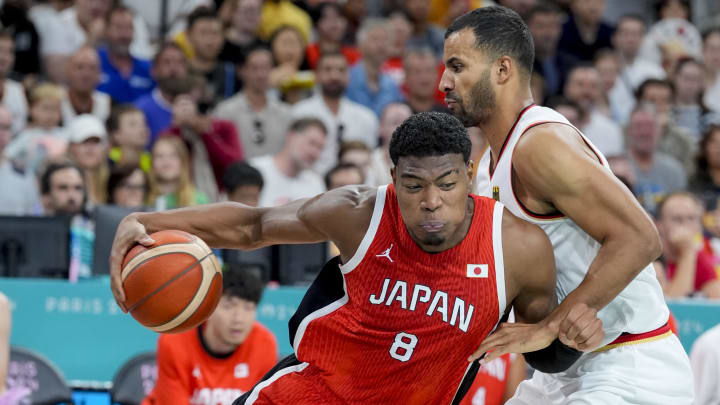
x: 404, y: 321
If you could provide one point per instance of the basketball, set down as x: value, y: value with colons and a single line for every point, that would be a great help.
x: 174, y: 285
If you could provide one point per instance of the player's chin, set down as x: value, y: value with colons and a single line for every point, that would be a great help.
x: 432, y: 239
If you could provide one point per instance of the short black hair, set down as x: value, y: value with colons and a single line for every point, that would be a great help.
x: 654, y: 82
x: 113, y: 122
x: 56, y: 166
x: 118, y: 175
x: 257, y: 47
x: 329, y: 54
x: 201, y: 13
x: 118, y: 8
x: 339, y: 168
x: 241, y: 282
x: 166, y: 46
x: 542, y: 8
x: 240, y: 174
x: 430, y: 134
x: 498, y: 31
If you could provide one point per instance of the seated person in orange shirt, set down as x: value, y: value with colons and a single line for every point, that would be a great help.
x: 221, y: 359
x: 686, y: 267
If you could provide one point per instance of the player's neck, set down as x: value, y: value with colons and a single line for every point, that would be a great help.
x: 214, y: 346
x: 497, y: 129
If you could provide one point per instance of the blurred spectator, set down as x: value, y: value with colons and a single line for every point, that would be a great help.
x: 705, y: 363
x: 279, y: 13
x: 287, y: 175
x: 380, y: 163
x: 421, y: 81
x: 172, y: 21
x: 260, y: 118
x: 675, y: 141
x: 657, y: 173
x: 672, y: 37
x: 43, y: 138
x: 124, y: 77
x: 424, y: 34
x: 368, y: 85
x: 23, y: 198
x: 545, y: 24
x: 89, y: 150
x: 569, y: 109
x: 241, y: 36
x: 243, y: 183
x: 688, y: 268
x: 170, y: 182
x: 584, y: 32
x: 222, y: 358
x: 480, y: 155
x: 711, y: 58
x: 521, y: 7
x: 83, y: 72
x: 331, y: 28
x: 127, y: 186
x: 44, y: 16
x: 170, y: 71
x: 496, y: 381
x: 13, y: 94
x: 611, y: 103
x: 290, y: 75
x: 14, y: 17
x: 688, y: 109
x: 583, y: 86
x: 344, y: 174
x: 400, y: 31
x: 129, y: 135
x: 705, y: 183
x: 213, y: 143
x: 633, y: 70
x: 205, y: 37
x: 84, y: 25
x: 356, y: 13
x: 355, y: 153
x: 63, y: 194
x: 344, y: 120
x: 443, y: 12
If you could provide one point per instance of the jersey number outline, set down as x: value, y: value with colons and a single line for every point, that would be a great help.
x: 401, y: 343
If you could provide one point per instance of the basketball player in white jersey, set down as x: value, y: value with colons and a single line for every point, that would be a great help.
x: 546, y: 172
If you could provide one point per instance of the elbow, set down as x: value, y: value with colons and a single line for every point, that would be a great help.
x: 652, y: 245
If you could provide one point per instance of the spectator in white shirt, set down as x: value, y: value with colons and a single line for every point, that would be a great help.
x: 83, y: 72
x: 287, y: 175
x: 20, y: 194
x: 584, y: 87
x: 13, y: 95
x: 345, y: 120
x: 711, y: 57
x: 84, y: 24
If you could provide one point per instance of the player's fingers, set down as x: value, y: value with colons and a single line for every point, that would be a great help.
x: 595, y: 335
x: 578, y: 319
x: 586, y: 326
x: 146, y: 240
x: 490, y: 343
x: 490, y: 356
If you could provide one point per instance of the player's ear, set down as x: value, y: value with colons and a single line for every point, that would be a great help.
x: 392, y: 174
x: 504, y: 65
x: 470, y: 170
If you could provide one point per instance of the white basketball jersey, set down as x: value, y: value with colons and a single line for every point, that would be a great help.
x: 640, y: 307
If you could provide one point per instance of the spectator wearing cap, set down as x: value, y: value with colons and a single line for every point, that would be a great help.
x: 13, y: 94
x: 170, y: 72
x: 88, y: 149
x: 368, y: 85
x: 19, y: 196
x: 124, y: 77
x: 81, y: 97
x: 260, y: 118
x: 344, y: 119
x: 584, y: 32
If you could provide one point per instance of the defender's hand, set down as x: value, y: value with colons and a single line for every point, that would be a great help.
x: 515, y: 338
x: 581, y: 329
x: 129, y: 232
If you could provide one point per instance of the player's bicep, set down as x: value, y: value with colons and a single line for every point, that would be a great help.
x: 530, y: 263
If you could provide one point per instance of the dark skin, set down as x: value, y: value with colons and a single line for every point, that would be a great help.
x: 553, y: 171
x: 433, y: 197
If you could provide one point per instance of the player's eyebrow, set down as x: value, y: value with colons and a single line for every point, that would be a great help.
x: 447, y: 173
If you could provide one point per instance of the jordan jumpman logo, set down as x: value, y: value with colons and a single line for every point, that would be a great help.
x: 386, y: 254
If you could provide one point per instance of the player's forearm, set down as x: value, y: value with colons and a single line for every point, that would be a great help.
x: 220, y: 225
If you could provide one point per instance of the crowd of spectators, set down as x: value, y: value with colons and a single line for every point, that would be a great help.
x: 141, y: 109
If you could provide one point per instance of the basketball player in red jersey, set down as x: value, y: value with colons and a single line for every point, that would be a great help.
x: 426, y: 271
x: 546, y: 172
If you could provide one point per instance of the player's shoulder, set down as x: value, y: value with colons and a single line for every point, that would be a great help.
x: 547, y: 137
x: 525, y: 240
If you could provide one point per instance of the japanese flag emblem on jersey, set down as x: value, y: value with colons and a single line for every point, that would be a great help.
x: 477, y: 270
x: 242, y: 370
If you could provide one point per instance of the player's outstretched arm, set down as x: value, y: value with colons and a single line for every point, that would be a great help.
x: 556, y: 166
x: 530, y: 288
x: 327, y: 216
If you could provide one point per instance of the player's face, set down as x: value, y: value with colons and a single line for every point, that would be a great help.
x: 433, y: 196
x: 232, y: 320
x: 466, y: 81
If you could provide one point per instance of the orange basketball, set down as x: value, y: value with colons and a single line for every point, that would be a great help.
x: 174, y: 285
